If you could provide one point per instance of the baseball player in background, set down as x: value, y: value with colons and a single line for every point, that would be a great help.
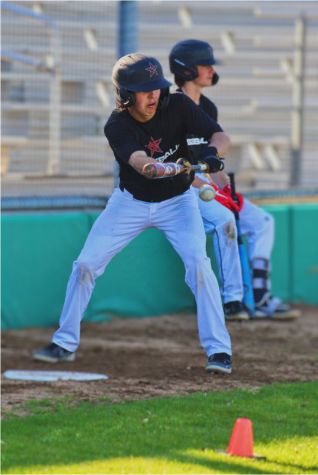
x: 191, y: 62
x: 150, y: 126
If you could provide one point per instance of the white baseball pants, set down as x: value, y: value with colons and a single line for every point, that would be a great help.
x: 256, y: 224
x: 122, y: 220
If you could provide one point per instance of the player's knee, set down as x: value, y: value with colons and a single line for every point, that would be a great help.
x: 198, y: 268
x: 196, y: 258
x: 230, y: 231
x: 82, y: 271
x: 224, y: 220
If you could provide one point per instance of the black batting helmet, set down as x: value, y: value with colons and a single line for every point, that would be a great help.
x: 138, y: 73
x: 188, y: 53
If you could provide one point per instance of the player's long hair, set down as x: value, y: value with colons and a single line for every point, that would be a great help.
x: 120, y: 106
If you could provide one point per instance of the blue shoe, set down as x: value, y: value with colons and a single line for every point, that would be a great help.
x: 219, y: 363
x: 53, y: 353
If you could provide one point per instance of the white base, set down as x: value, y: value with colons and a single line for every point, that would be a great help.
x: 52, y: 375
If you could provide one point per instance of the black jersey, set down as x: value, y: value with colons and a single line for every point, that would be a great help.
x: 164, y: 138
x: 197, y: 142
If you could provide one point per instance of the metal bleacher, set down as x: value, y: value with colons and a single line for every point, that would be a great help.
x: 86, y: 162
x: 254, y: 94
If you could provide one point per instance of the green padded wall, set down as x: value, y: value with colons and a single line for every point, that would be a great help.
x: 146, y: 278
x: 281, y: 258
x: 37, y: 255
x: 304, y: 244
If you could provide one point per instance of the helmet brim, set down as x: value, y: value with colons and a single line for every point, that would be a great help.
x: 160, y: 83
x: 207, y: 62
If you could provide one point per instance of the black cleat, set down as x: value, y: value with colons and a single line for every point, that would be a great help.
x: 53, y: 353
x: 235, y: 311
x: 219, y: 363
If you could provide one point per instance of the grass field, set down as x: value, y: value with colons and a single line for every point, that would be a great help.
x: 166, y: 435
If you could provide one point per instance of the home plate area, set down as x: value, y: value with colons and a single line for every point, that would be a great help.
x: 158, y: 357
x: 52, y: 375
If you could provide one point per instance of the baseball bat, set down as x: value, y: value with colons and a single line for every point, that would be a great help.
x: 248, y: 298
x: 162, y: 170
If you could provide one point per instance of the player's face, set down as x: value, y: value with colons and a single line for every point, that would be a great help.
x: 146, y: 105
x: 205, y: 76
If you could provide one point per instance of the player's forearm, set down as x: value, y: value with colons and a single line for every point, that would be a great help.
x: 220, y: 179
x: 221, y: 142
x: 139, y: 159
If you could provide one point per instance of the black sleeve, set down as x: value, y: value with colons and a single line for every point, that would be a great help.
x: 196, y: 121
x: 214, y: 112
x: 121, y: 140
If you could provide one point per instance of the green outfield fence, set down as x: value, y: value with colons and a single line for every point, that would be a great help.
x: 39, y: 249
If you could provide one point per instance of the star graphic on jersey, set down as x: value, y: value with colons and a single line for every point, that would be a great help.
x: 152, y: 69
x: 154, y: 146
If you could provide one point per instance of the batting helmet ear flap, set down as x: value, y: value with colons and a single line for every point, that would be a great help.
x: 183, y: 71
x: 124, y: 97
x: 215, y: 78
x: 164, y: 98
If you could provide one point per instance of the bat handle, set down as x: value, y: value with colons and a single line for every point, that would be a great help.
x: 232, y: 182
x: 233, y: 192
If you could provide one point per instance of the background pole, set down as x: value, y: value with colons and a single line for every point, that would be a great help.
x: 127, y: 42
x: 298, y: 101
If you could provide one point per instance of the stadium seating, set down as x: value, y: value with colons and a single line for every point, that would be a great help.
x: 254, y: 95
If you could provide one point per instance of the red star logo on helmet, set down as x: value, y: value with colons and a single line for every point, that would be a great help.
x: 154, y: 146
x: 152, y: 69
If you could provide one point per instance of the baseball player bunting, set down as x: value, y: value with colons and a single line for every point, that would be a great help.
x: 148, y: 122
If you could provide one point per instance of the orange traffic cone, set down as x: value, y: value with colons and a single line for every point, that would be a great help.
x: 241, y: 442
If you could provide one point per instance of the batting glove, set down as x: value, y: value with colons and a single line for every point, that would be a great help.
x: 210, y: 157
x: 240, y: 199
x: 224, y: 199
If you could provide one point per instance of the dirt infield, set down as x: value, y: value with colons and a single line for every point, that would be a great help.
x: 161, y: 356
